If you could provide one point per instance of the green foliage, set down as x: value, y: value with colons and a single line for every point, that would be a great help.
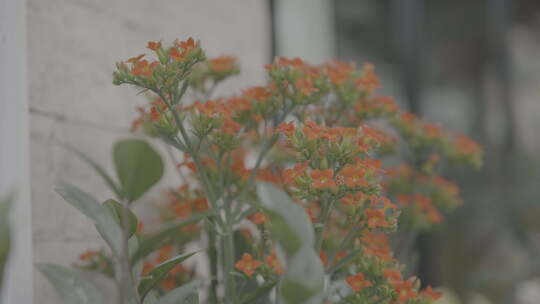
x: 149, y: 243
x: 158, y: 273
x: 138, y: 167
x: 105, y: 222
x: 118, y: 210
x: 186, y: 294
x: 72, y: 288
x: 303, y: 282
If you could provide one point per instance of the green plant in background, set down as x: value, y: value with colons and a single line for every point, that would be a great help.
x: 138, y: 168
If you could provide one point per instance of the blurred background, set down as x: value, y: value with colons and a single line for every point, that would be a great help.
x: 472, y: 65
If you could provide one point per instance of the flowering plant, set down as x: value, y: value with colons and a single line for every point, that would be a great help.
x: 292, y: 187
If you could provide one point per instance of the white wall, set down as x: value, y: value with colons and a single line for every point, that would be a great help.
x: 73, y: 45
x: 14, y: 147
x: 305, y: 28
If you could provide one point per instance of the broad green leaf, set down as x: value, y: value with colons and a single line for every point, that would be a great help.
x: 138, y: 167
x: 108, y: 179
x: 303, y: 282
x: 72, y: 288
x: 259, y: 292
x: 116, y: 209
x: 186, y: 294
x: 105, y: 223
x: 149, y: 244
x: 158, y: 273
x: 151, y: 298
x: 290, y: 223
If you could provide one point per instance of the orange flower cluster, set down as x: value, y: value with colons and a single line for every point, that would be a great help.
x: 248, y: 265
x: 332, y: 133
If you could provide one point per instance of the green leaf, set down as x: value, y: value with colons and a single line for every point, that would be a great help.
x: 117, y: 210
x: 138, y: 167
x: 158, y: 273
x: 303, y: 282
x: 290, y: 223
x: 108, y: 179
x: 186, y: 294
x: 105, y: 223
x: 260, y: 292
x: 70, y: 286
x: 149, y: 244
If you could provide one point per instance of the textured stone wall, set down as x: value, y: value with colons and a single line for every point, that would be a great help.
x: 72, y: 47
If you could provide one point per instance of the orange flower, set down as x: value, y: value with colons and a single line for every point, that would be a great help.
x: 338, y: 71
x: 312, y: 130
x: 182, y: 210
x: 289, y: 175
x: 286, y: 128
x: 88, y: 255
x: 313, y: 211
x: 430, y: 293
x: 376, y: 218
x: 358, y: 282
x: 305, y: 86
x: 323, y: 179
x: 355, y: 199
x: 323, y: 257
x: 136, y: 58
x: 178, y: 269
x: 187, y: 45
x: 230, y: 126
x: 354, y: 176
x: 259, y: 94
x: 273, y: 262
x: 466, y: 146
x: 154, y: 46
x: 164, y: 253
x: 175, y: 54
x: 238, y: 104
x: 247, y: 264
x: 258, y: 218
x: 200, y: 204
x: 392, y: 275
x: 369, y: 81
x: 433, y: 131
x: 222, y: 63
x: 168, y: 284
x: 405, y: 291
x: 147, y: 267
x: 143, y: 68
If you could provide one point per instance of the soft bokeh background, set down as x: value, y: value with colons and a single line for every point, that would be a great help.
x: 470, y: 64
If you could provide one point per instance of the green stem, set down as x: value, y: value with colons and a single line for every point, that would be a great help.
x: 126, y: 277
x: 325, y: 214
x: 213, y: 257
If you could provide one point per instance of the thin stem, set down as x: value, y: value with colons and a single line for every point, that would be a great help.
x: 127, y: 280
x: 327, y: 210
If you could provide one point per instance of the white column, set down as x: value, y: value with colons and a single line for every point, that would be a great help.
x: 14, y: 137
x: 306, y: 29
